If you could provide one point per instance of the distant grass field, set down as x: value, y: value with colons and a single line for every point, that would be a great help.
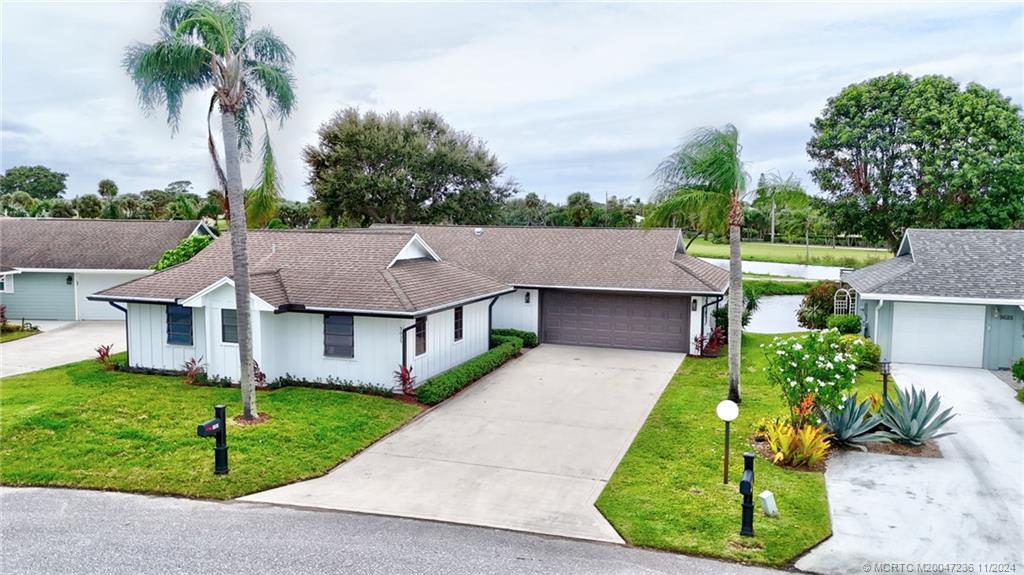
x: 792, y: 253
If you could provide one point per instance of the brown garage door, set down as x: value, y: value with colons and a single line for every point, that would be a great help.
x: 652, y: 322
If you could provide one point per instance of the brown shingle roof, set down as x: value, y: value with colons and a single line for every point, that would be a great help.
x: 321, y: 270
x: 54, y: 243
x: 607, y: 258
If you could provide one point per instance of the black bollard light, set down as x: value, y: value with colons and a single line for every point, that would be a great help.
x: 885, y: 368
x: 218, y: 429
x: 747, y: 489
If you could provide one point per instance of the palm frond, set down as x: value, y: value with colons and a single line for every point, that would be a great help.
x: 267, y: 48
x: 163, y: 72
x: 277, y: 85
x: 262, y: 200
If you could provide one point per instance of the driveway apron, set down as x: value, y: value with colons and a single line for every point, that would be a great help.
x: 527, y: 448
x: 65, y: 342
x: 964, y: 508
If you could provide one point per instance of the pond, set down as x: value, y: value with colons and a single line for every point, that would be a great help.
x: 776, y: 314
x: 777, y: 269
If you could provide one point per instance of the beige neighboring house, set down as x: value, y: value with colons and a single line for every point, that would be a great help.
x: 48, y: 266
x: 356, y: 304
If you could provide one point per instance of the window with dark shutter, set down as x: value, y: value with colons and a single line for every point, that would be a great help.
x: 179, y: 325
x: 458, y: 323
x: 228, y: 326
x: 339, y: 336
x: 421, y: 335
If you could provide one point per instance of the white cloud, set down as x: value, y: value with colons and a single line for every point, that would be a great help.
x: 569, y: 96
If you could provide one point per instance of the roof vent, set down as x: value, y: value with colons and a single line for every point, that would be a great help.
x: 478, y: 232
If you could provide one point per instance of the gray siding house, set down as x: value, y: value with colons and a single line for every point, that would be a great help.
x: 949, y: 297
x: 51, y: 265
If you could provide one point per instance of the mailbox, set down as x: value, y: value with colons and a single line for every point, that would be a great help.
x: 218, y: 429
x: 747, y: 490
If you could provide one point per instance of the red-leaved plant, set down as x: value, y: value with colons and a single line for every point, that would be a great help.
x: 406, y: 380
x: 194, y: 370
x: 103, y: 356
x: 258, y: 376
x: 710, y: 344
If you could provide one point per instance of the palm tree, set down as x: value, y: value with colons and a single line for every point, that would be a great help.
x: 705, y: 176
x: 804, y: 219
x: 205, y: 45
x: 778, y: 192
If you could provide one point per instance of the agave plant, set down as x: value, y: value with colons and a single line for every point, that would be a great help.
x: 915, y: 418
x: 851, y: 424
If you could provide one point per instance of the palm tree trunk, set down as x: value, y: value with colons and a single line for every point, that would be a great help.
x: 735, y: 299
x: 240, y: 262
x: 773, y: 221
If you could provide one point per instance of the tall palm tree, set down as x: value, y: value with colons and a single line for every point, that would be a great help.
x: 206, y: 45
x: 777, y: 192
x: 705, y: 176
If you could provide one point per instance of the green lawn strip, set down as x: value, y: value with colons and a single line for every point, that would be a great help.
x: 779, y: 287
x: 791, y: 253
x: 13, y: 335
x: 667, y: 492
x: 80, y: 426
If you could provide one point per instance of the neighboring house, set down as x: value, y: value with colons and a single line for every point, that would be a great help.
x: 357, y: 304
x: 50, y: 265
x: 949, y: 297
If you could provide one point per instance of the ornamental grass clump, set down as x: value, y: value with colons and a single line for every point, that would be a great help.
x: 811, y: 368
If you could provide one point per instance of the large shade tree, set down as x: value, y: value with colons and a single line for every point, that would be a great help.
x: 39, y: 182
x: 705, y: 176
x: 895, y: 152
x: 207, y: 46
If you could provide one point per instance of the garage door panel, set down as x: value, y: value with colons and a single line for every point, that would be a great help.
x: 616, y: 320
x: 90, y: 283
x: 938, y: 334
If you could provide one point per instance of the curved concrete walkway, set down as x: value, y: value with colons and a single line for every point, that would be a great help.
x: 527, y: 448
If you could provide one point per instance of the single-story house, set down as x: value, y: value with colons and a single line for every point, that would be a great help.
x: 357, y: 304
x: 51, y: 265
x: 949, y: 297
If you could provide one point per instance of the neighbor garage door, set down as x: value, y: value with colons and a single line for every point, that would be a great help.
x: 651, y: 322
x: 938, y: 334
x: 90, y: 283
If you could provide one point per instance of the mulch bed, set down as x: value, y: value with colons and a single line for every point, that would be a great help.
x: 929, y: 449
x: 261, y: 418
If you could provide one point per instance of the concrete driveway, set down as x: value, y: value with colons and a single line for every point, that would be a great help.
x: 527, y: 448
x: 59, y: 343
x: 967, y: 507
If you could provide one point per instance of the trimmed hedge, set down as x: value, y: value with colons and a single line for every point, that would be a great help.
x: 845, y: 323
x: 444, y: 385
x: 529, y: 338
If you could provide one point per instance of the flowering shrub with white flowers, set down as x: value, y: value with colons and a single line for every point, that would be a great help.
x: 811, y: 369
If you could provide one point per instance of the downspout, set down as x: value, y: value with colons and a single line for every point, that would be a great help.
x: 490, y: 314
x: 127, y: 352
x: 878, y: 336
x: 405, y: 343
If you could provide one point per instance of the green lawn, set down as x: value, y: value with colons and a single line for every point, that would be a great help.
x: 791, y: 253
x: 767, y: 287
x: 13, y: 335
x: 80, y: 426
x: 667, y: 492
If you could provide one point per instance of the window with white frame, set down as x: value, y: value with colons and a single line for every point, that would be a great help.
x: 7, y: 284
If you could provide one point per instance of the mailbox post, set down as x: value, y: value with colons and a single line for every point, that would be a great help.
x: 218, y: 429
x: 747, y: 489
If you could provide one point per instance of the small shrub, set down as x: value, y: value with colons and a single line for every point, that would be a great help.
x: 866, y: 353
x: 444, y: 385
x: 406, y: 380
x: 710, y: 345
x: 875, y: 400
x: 103, y: 356
x: 761, y: 426
x: 3, y: 314
x: 913, y: 420
x: 845, y: 323
x: 817, y: 305
x: 529, y: 338
x: 851, y: 424
x: 183, y: 252
x: 1018, y: 370
x: 194, y: 371
x: 258, y: 376
x: 331, y: 383
x: 797, y: 446
x: 811, y: 365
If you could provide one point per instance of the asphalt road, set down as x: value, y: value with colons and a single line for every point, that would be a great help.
x: 69, y: 531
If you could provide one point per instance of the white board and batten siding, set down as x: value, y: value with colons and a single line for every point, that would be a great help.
x: 511, y: 311
x: 443, y: 352
x: 147, y: 338
x: 938, y: 333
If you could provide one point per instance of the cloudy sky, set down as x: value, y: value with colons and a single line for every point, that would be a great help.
x: 569, y: 96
